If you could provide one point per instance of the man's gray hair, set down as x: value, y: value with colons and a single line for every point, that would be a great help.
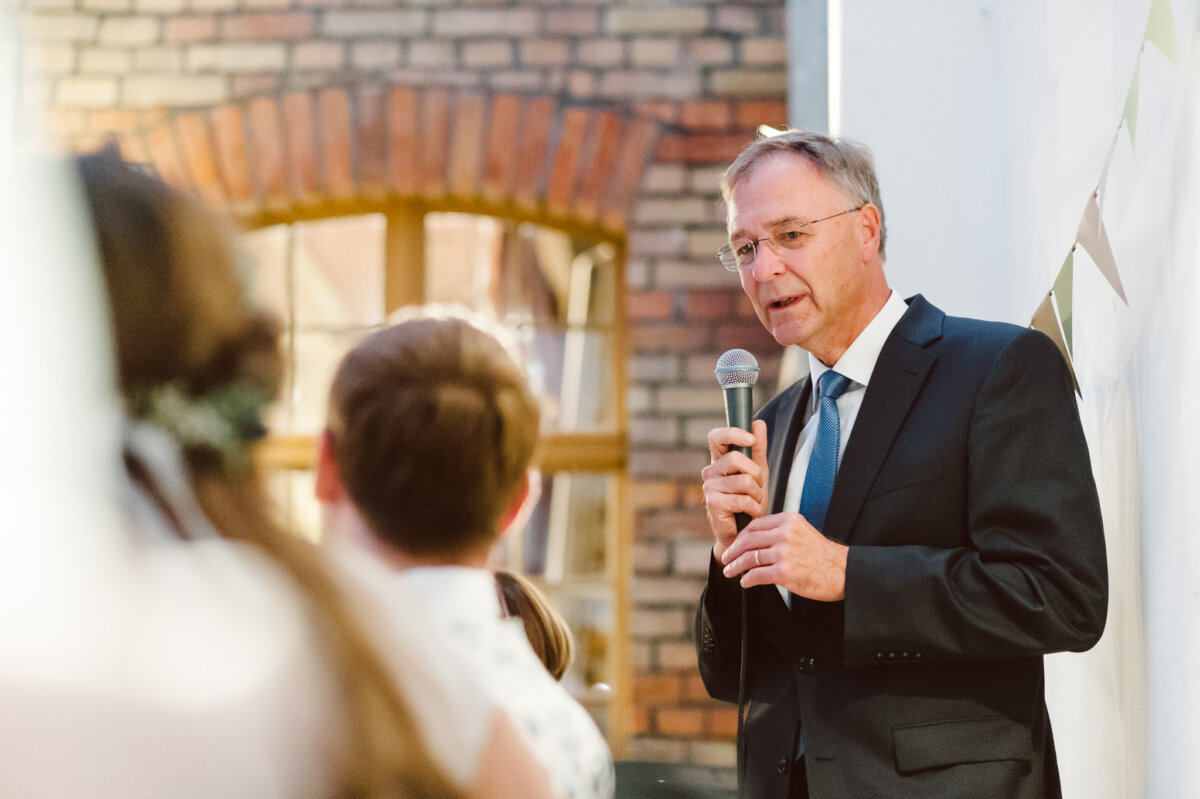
x: 847, y: 163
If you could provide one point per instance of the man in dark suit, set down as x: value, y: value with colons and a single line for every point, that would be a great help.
x: 897, y: 614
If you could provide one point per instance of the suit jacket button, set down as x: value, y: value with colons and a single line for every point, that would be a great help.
x: 782, y: 765
x: 805, y: 664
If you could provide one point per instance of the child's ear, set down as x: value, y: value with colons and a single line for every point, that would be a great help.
x: 518, y: 511
x: 329, y: 480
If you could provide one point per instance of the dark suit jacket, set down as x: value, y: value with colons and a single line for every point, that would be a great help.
x: 966, y: 496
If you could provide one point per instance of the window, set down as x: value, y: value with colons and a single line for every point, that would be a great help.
x: 333, y: 280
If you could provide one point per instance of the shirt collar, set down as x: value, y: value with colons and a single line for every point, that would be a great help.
x: 459, y: 593
x: 858, y: 361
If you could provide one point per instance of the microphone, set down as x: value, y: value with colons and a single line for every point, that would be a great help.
x: 737, y: 372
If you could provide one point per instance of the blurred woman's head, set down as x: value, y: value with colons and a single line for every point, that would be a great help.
x: 197, y: 362
x: 180, y: 317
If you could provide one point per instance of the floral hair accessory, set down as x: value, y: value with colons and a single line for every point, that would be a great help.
x: 225, y: 420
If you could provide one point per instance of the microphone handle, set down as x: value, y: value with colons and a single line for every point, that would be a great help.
x: 739, y: 412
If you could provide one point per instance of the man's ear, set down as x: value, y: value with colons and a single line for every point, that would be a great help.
x: 517, y: 513
x: 869, y: 223
x: 329, y: 481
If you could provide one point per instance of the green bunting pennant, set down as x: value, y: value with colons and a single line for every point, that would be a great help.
x: 1160, y: 30
x: 1131, y: 103
x: 1063, y: 285
x: 1045, y: 320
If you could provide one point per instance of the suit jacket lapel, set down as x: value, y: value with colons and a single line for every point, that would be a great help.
x: 898, y: 376
x: 784, y: 430
x: 781, y: 449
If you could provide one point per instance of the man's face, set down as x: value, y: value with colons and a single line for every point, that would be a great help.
x: 810, y: 295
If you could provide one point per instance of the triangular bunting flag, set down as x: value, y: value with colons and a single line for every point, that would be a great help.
x: 1131, y: 103
x: 1160, y: 29
x: 1045, y: 321
x: 1094, y: 238
x: 1063, y: 284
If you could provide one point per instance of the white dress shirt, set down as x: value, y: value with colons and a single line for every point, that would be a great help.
x: 465, y: 604
x: 857, y: 363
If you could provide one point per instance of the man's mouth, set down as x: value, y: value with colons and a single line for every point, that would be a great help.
x: 784, y: 302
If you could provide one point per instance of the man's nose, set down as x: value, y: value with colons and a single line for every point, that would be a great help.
x: 767, y: 263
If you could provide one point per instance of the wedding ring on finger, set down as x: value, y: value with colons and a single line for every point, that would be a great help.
x: 757, y: 562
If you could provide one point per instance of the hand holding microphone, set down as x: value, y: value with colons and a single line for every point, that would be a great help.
x: 734, y: 491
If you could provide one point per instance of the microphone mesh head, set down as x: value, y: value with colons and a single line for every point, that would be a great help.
x: 737, y: 368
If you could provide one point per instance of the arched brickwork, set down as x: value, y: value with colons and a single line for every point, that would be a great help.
x: 274, y: 157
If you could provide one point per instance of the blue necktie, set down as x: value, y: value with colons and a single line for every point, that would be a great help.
x: 823, y: 464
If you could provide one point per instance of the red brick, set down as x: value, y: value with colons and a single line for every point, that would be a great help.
x: 668, y: 464
x: 670, y: 337
x: 256, y: 85
x: 643, y: 495
x: 500, y: 161
x: 229, y: 132
x: 641, y: 720
x: 721, y: 723
x: 561, y: 185
x: 749, y: 335
x: 198, y: 155
x: 636, y: 146
x: 264, y: 27
x: 190, y: 29
x: 706, y: 115
x: 693, y: 688
x: 678, y: 721
x: 435, y: 142
x: 662, y: 111
x: 371, y: 141
x: 654, y: 688
x: 301, y: 147
x: 152, y: 116
x: 595, y: 175
x: 112, y: 120
x: 133, y: 147
x: 656, y: 305
x: 702, y: 148
x: 709, y: 304
x: 692, y: 494
x: 335, y: 138
x: 743, y: 307
x: 466, y: 154
x: 689, y: 523
x: 268, y: 159
x: 403, y: 125
x: 536, y: 120
x: 752, y: 114
x: 165, y: 155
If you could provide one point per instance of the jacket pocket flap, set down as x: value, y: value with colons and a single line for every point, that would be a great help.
x: 948, y: 743
x: 910, y: 474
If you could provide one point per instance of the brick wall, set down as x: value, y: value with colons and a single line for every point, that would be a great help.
x: 706, y: 73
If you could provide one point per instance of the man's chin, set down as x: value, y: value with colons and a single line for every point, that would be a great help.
x: 789, y: 333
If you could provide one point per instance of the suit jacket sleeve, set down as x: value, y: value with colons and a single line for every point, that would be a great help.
x: 719, y: 633
x: 1028, y: 575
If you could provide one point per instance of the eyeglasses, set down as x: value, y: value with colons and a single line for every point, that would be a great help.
x: 742, y: 253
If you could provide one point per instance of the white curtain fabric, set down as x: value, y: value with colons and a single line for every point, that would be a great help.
x: 993, y: 124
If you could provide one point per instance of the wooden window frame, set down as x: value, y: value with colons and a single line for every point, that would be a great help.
x: 561, y: 452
